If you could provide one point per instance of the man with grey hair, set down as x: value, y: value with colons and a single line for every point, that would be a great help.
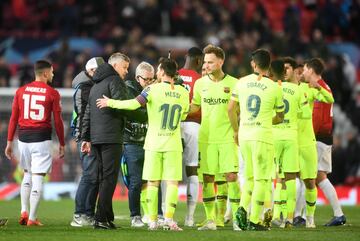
x: 134, y: 137
x: 103, y: 130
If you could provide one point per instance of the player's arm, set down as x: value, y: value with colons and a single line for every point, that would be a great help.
x: 279, y: 107
x: 132, y: 104
x: 59, y: 124
x: 12, y: 128
x: 304, y: 110
x: 322, y: 94
x: 196, y: 100
x: 233, y: 113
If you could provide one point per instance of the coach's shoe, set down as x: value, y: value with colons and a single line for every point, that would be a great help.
x: 24, y: 217
x: 104, y: 225
x: 209, y: 225
x: 171, y: 225
x: 112, y: 225
x: 3, y: 222
x: 256, y: 227
x: 336, y: 221
x: 241, y: 218
x: 34, y: 223
x: 299, y: 221
x: 189, y: 222
x: 152, y: 225
x: 310, y: 223
x: 268, y: 215
x: 136, y: 222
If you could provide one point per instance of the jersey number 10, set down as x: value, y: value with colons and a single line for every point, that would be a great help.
x: 171, y: 116
x: 32, y: 107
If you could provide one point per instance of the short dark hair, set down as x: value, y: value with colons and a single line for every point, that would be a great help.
x: 261, y: 57
x: 41, y: 65
x: 291, y: 61
x: 277, y: 69
x: 212, y: 49
x: 316, y: 64
x: 194, y: 52
x: 169, y: 66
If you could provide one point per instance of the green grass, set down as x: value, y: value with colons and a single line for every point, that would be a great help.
x: 57, y: 216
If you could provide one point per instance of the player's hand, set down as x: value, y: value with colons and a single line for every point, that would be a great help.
x: 86, y: 147
x: 9, y: 150
x: 61, y: 151
x: 314, y: 84
x: 236, y: 138
x: 102, y: 102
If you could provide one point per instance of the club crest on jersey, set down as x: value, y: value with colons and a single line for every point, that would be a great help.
x: 227, y: 89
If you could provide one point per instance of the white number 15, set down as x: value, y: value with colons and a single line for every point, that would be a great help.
x: 32, y: 107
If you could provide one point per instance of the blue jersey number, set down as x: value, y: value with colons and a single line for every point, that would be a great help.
x: 253, y: 106
x: 286, y: 110
x: 171, y: 116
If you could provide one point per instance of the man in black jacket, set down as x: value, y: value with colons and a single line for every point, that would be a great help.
x: 87, y: 191
x: 104, y: 128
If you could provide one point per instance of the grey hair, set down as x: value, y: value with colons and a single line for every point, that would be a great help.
x: 116, y: 57
x: 144, y: 66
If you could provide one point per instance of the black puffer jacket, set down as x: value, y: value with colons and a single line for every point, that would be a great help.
x: 105, y: 125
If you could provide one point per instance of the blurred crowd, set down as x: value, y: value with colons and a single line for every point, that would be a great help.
x: 297, y: 28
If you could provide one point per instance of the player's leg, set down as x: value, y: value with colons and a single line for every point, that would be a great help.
x: 41, y: 161
x: 229, y: 164
x: 208, y: 163
x: 26, y: 184
x: 172, y: 174
x: 324, y: 167
x: 190, y: 132
x: 263, y: 156
x: 308, y: 172
x: 152, y: 172
x: 221, y: 198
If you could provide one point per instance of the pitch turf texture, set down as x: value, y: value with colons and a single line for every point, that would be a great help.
x: 56, y: 217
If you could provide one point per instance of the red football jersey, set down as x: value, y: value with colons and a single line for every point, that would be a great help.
x: 31, y: 110
x: 323, y: 118
x: 189, y: 77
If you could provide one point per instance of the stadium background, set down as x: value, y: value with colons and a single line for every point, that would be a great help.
x: 69, y: 32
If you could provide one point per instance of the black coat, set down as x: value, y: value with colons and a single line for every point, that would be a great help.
x: 101, y: 126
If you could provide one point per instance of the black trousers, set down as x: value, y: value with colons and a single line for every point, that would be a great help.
x: 108, y: 157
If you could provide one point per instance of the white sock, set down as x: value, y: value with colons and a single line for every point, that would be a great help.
x: 331, y: 195
x: 36, y: 190
x: 300, y: 198
x: 192, y: 191
x: 228, y: 212
x: 25, y: 190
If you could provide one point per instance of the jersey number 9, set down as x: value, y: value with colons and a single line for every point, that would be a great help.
x: 253, y: 106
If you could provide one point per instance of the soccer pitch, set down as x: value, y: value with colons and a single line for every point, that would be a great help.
x: 56, y: 217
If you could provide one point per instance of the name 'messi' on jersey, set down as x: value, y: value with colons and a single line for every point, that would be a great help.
x: 173, y: 94
x: 35, y: 89
x: 215, y: 101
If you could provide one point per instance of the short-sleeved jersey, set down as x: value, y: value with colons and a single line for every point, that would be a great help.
x: 166, y: 107
x: 32, y: 108
x: 257, y: 100
x: 294, y: 102
x: 189, y: 78
x: 306, y: 135
x: 213, y: 98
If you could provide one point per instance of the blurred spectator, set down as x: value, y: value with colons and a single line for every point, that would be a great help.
x: 25, y: 71
x: 5, y: 73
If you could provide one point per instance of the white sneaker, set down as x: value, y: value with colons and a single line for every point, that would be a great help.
x: 310, y: 223
x: 81, y: 220
x: 189, y: 222
x: 145, y: 219
x: 136, y: 222
x: 160, y: 221
x: 152, y: 225
x: 209, y: 225
x: 171, y: 225
x: 236, y: 227
x: 227, y: 217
